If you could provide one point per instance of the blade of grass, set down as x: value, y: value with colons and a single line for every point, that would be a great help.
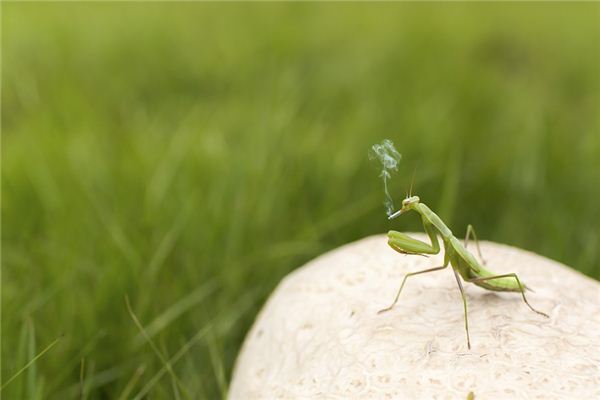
x: 132, y: 382
x: 93, y: 380
x: 65, y: 372
x: 33, y: 360
x: 172, y: 361
x: 173, y: 312
x: 31, y: 372
x: 217, y: 364
x: 22, y: 358
x: 84, y: 384
x: 155, y: 349
x: 81, y: 381
x: 221, y: 327
x: 337, y: 219
x: 39, y: 394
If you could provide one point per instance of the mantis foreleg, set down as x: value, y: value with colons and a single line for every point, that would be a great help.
x: 471, y: 232
x: 464, y: 299
x: 521, y: 287
x: 404, y: 281
x: 405, y: 244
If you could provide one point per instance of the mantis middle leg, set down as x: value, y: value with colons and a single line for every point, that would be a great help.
x: 404, y: 281
x: 521, y: 287
x: 464, y: 299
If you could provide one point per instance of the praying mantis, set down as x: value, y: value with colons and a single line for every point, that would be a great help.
x: 456, y: 254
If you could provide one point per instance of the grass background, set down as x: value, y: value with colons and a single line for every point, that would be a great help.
x: 190, y: 155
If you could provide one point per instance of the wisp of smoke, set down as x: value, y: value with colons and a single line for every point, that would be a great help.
x: 389, y: 158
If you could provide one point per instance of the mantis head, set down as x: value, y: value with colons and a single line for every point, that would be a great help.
x: 407, y: 204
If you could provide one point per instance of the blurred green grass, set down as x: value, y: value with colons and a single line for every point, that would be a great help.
x: 190, y: 155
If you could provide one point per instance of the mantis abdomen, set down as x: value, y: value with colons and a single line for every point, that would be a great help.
x: 472, y: 271
x: 508, y: 284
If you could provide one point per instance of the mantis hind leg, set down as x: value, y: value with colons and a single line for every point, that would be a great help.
x: 471, y: 233
x: 521, y: 287
x: 404, y: 281
x: 464, y: 299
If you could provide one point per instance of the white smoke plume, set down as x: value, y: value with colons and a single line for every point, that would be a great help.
x: 389, y: 158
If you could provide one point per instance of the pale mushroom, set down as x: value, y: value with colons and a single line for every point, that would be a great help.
x: 319, y: 334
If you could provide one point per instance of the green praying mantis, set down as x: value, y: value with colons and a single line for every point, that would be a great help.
x: 456, y: 254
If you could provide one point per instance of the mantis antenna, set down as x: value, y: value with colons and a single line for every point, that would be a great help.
x: 408, y: 195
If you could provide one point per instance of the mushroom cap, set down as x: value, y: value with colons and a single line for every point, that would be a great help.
x: 320, y: 336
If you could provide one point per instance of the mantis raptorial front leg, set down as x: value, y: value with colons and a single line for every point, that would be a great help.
x: 511, y: 275
x: 404, y: 244
x: 471, y: 232
x: 404, y: 281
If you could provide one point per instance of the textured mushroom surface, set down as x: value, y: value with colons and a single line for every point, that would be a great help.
x: 320, y: 336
